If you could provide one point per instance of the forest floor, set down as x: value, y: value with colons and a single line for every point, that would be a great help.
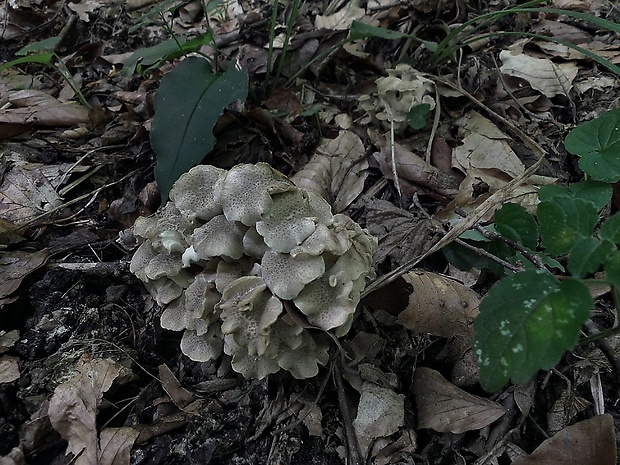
x: 88, y: 375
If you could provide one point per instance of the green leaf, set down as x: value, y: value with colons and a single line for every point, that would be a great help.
x: 610, y: 230
x: 150, y: 57
x: 597, y: 142
x: 564, y: 220
x: 416, y: 118
x: 599, y: 193
x: 47, y: 45
x: 612, y: 268
x: 42, y: 58
x: 527, y: 322
x: 587, y: 255
x: 514, y: 222
x: 188, y: 103
x: 361, y: 30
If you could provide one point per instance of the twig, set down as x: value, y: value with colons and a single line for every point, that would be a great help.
x: 355, y: 456
x: 489, y: 255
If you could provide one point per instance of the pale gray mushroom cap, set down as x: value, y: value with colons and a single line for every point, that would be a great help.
x: 192, y: 194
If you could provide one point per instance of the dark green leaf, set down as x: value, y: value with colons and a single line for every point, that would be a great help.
x: 416, y: 118
x: 514, y: 222
x: 587, y: 255
x: 42, y: 58
x: 564, y: 220
x: 526, y: 323
x: 599, y: 193
x: 361, y: 30
x: 47, y: 45
x: 610, y: 230
x: 612, y: 268
x: 188, y: 103
x: 597, y: 142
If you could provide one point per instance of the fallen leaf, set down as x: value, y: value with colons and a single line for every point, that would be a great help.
x: 73, y: 411
x: 542, y: 74
x: 15, y: 266
x: 36, y: 108
x: 445, y: 408
x: 589, y: 442
x: 380, y: 413
x: 337, y: 171
x: 115, y: 445
x: 485, y: 147
x: 9, y: 369
x: 439, y: 305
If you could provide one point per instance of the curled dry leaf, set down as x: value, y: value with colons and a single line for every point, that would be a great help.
x: 9, y: 369
x: 73, y: 413
x: 542, y: 74
x: 413, y: 168
x: 485, y: 147
x: 337, y: 171
x: 445, y: 408
x: 36, y: 108
x: 15, y: 266
x: 589, y: 442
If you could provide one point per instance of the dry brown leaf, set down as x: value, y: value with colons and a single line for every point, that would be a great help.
x: 485, y: 147
x: 589, y: 442
x: 380, y: 413
x: 36, y: 108
x: 439, y: 305
x: 179, y: 395
x: 542, y: 74
x: 337, y: 171
x: 445, y: 408
x: 413, y: 168
x: 73, y: 411
x: 402, y: 235
x: 9, y: 369
x: 116, y: 444
x: 341, y: 19
x: 8, y: 340
x: 15, y: 266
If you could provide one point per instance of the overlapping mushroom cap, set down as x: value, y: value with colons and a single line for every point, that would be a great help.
x: 240, y: 258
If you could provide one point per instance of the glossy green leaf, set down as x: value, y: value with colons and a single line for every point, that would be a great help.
x: 610, y: 230
x: 42, y: 46
x: 597, y: 142
x: 587, y: 255
x: 564, y: 220
x: 514, y: 222
x: 527, y: 322
x: 188, y: 103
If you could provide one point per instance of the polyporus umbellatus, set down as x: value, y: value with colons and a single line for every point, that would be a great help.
x: 246, y: 263
x: 397, y: 94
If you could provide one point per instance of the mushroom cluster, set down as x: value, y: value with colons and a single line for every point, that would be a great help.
x: 246, y: 263
x: 397, y: 94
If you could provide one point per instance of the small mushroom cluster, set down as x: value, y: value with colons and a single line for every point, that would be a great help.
x: 397, y: 94
x: 246, y: 263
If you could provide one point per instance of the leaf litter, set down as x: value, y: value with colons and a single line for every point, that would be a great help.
x: 82, y: 351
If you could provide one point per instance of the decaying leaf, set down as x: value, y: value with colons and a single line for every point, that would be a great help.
x: 542, y: 74
x: 36, y: 108
x: 73, y: 411
x: 445, y: 408
x: 402, y: 235
x: 380, y: 413
x: 29, y: 190
x: 485, y: 147
x: 589, y: 442
x: 9, y: 369
x: 15, y: 266
x: 439, y: 305
x: 337, y: 171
